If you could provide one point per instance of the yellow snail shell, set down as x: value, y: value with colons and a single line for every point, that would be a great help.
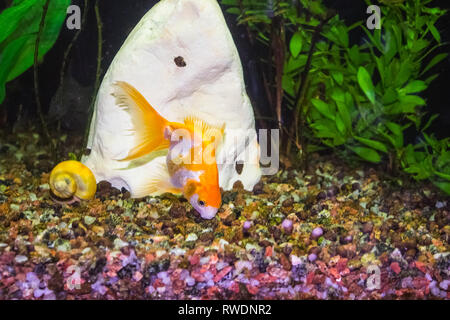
x: 72, y: 179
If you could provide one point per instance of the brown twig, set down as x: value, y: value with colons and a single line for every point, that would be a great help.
x: 299, y: 121
x: 278, y: 43
x: 283, y: 128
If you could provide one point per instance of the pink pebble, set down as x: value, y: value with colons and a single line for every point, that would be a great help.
x: 247, y: 225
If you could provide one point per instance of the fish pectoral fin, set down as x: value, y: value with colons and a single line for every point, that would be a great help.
x: 158, y: 184
x: 148, y: 124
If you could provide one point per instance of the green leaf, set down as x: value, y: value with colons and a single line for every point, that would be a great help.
x: 412, y: 100
x: 381, y: 68
x: 72, y: 156
x: 340, y: 124
x: 390, y: 96
x: 296, y: 44
x: 442, y: 175
x: 235, y: 11
x: 374, y: 39
x: 338, y: 95
x: 397, y: 130
x: 8, y: 58
x: 434, y: 32
x: 438, y: 58
x: 11, y: 17
x: 419, y: 45
x: 323, y: 108
x: 444, y: 186
x: 230, y: 2
x: 293, y: 64
x: 431, y: 78
x: 324, y: 128
x: 345, y: 115
x: 365, y: 82
x: 413, y: 87
x: 288, y: 85
x: 354, y: 55
x: 367, y: 154
x: 390, y: 48
x: 343, y: 35
x: 404, y: 73
x: 373, y: 144
x: 337, y: 76
x: 17, y: 55
x: 427, y: 125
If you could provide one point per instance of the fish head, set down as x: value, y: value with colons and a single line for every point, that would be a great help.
x: 204, y: 197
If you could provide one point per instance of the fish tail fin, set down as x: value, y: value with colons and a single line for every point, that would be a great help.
x: 158, y: 184
x: 148, y: 124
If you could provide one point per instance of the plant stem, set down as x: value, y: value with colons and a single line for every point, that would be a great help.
x: 97, y: 76
x: 69, y: 47
x: 247, y: 28
x: 36, y: 76
x: 67, y: 52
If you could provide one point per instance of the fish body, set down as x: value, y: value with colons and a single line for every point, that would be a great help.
x: 191, y: 164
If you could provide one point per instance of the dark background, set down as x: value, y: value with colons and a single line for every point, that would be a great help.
x: 120, y: 17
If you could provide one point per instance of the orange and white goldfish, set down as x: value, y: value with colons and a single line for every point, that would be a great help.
x: 191, y: 145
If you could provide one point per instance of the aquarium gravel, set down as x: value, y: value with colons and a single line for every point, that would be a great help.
x: 335, y: 232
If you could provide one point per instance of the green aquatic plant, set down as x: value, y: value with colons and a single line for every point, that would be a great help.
x: 20, y: 25
x: 372, y: 91
x: 429, y: 160
x: 356, y: 99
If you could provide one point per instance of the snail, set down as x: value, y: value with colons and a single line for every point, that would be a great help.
x: 72, y: 179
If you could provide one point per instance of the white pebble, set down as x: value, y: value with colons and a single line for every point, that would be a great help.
x: 440, y: 205
x: 21, y: 259
x: 204, y: 260
x: 444, y: 284
x: 191, y: 237
x: 190, y: 281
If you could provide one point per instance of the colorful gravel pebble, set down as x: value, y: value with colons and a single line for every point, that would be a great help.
x: 332, y: 233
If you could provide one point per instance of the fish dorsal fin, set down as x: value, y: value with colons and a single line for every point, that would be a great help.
x: 148, y: 124
x: 208, y: 131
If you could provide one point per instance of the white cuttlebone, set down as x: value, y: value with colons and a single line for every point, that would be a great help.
x: 210, y: 87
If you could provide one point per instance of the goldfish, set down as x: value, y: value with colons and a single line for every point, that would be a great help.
x: 191, y: 166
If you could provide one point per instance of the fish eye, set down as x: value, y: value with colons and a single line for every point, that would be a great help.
x: 201, y: 203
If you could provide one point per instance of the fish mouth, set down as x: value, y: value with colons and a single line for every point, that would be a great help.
x: 208, y: 213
